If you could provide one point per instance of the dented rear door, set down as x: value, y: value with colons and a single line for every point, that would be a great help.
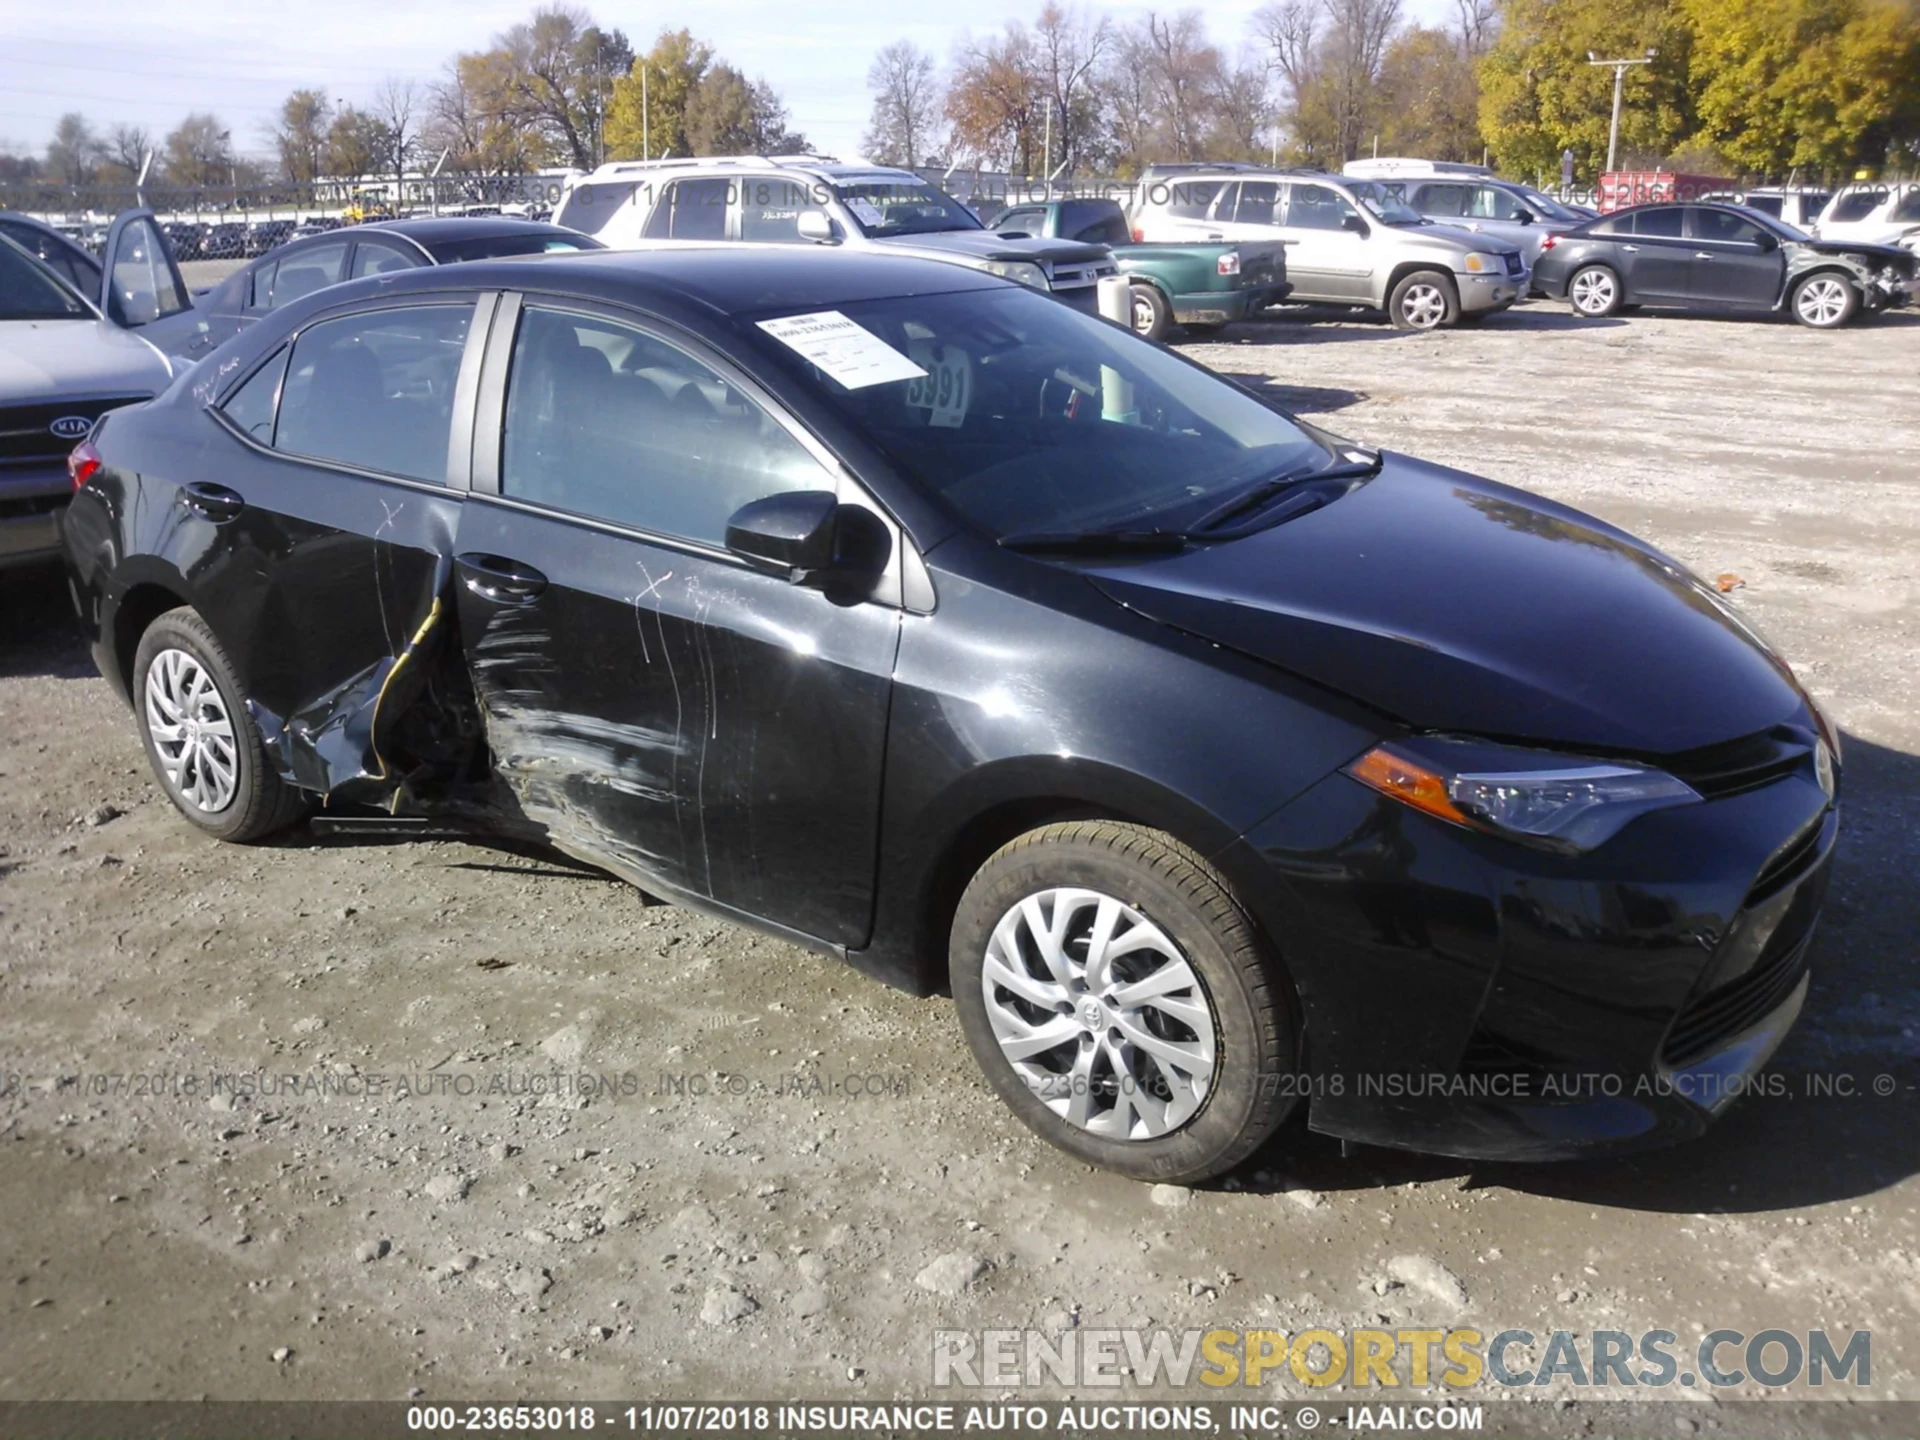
x: 319, y: 524
x: 653, y: 702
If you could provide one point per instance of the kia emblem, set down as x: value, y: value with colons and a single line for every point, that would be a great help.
x: 71, y: 427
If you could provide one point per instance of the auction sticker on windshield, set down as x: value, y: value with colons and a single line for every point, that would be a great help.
x: 849, y: 353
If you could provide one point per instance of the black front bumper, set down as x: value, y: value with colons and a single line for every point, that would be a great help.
x: 1469, y: 996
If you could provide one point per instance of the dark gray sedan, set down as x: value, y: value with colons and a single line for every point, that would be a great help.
x: 1719, y: 257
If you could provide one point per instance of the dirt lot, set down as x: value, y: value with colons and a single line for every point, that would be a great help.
x: 712, y: 1234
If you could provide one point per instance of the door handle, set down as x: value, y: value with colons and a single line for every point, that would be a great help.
x: 1701, y: 255
x: 1215, y: 235
x: 1631, y: 249
x: 213, y: 502
x: 503, y: 581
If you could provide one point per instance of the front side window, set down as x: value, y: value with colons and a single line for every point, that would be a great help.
x: 1026, y: 416
x: 1490, y: 202
x: 1315, y: 207
x: 371, y: 259
x: 770, y: 210
x: 298, y: 275
x: 145, y: 284
x: 1447, y: 200
x: 691, y: 210
x: 608, y: 421
x: 1719, y: 225
x: 375, y: 390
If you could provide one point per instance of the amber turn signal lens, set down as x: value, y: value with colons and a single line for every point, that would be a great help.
x: 1408, y: 782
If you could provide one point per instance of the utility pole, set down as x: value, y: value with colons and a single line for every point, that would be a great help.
x: 646, y: 123
x: 1620, y: 68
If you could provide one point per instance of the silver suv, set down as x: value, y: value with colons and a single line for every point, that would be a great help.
x: 636, y: 205
x: 1349, y: 242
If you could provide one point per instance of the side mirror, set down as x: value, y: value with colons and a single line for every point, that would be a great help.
x: 817, y: 226
x: 790, y: 533
x: 1524, y: 217
x: 1353, y: 223
x: 1768, y: 242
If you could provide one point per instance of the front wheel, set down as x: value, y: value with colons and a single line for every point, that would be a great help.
x: 200, y: 737
x: 1424, y: 300
x: 1120, y: 1002
x: 1826, y: 302
x: 1594, y: 291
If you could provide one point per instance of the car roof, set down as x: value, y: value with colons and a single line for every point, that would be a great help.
x: 719, y: 279
x: 438, y: 229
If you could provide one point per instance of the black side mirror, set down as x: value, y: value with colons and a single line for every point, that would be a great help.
x: 1353, y: 223
x: 1767, y: 242
x: 1523, y: 217
x: 790, y: 533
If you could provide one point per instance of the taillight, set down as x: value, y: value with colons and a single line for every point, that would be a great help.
x: 1547, y: 242
x: 1229, y: 263
x: 82, y: 463
x: 1139, y: 236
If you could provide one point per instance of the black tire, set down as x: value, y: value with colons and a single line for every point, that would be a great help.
x: 1595, y: 291
x: 1247, y: 1000
x: 1152, y: 317
x: 1841, y: 293
x: 261, y: 803
x: 1424, y: 300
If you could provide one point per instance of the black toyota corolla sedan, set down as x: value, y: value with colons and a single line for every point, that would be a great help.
x: 1719, y: 257
x: 1217, y: 765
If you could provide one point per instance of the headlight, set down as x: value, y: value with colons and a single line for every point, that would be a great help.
x: 1021, y: 270
x: 1478, y: 263
x: 1556, y: 802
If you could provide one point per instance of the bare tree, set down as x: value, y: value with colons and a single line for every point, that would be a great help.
x: 127, y: 147
x: 75, y: 151
x: 1329, y: 53
x: 904, y: 124
x: 398, y: 110
x: 1477, y: 23
x: 1186, y: 77
x: 1069, y: 45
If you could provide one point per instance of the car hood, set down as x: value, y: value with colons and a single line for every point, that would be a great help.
x: 54, y: 359
x: 1448, y: 238
x: 1883, y: 254
x: 1455, y: 604
x: 985, y: 245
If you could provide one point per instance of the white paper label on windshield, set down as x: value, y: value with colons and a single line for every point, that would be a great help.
x: 850, y: 353
x: 865, y: 212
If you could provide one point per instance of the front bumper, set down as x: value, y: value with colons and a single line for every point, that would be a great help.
x: 1469, y: 996
x: 1490, y: 292
x: 32, y: 499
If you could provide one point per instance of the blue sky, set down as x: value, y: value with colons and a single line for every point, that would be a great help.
x: 148, y: 63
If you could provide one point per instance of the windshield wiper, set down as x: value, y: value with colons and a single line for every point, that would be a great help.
x: 1248, y: 501
x: 1098, y: 542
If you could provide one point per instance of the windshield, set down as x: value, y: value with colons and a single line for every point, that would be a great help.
x: 903, y: 207
x: 1549, y: 208
x: 1028, y: 417
x: 1384, y: 203
x: 30, y: 291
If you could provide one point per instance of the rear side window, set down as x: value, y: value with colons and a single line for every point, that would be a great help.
x: 375, y: 390
x: 588, y: 208
x: 1192, y: 199
x: 1259, y: 202
x: 1315, y: 207
x: 1441, y: 200
x: 608, y: 421
x: 691, y: 210
x: 1661, y: 224
x: 251, y: 406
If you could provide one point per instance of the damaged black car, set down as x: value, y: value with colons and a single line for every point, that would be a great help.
x: 1217, y: 766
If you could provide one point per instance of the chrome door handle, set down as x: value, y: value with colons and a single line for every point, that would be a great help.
x: 1701, y: 255
x: 1631, y: 249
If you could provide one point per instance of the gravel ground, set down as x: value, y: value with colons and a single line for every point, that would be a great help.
x: 740, y: 1220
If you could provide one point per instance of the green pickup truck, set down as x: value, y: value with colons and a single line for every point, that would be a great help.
x: 1200, y: 286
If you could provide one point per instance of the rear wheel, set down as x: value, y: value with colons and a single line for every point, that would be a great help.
x: 1151, y: 315
x: 1594, y: 291
x: 1424, y: 300
x: 200, y: 736
x: 1825, y: 301
x: 1121, y: 1003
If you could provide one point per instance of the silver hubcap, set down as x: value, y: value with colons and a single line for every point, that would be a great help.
x: 1592, y: 291
x: 1424, y: 306
x: 1142, y: 315
x: 1096, y: 1009
x: 192, y: 732
x: 1822, y: 302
